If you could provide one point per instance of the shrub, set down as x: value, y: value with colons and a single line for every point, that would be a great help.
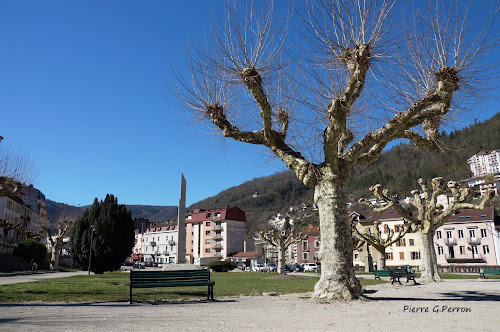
x: 221, y: 266
x: 31, y: 249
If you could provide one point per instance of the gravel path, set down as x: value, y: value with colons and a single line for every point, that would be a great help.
x: 456, y: 305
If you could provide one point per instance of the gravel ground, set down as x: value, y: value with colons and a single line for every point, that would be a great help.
x: 459, y: 305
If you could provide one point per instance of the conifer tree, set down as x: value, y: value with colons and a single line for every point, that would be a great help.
x: 112, y: 240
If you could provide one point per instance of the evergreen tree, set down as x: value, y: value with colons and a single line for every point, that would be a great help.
x: 113, y: 237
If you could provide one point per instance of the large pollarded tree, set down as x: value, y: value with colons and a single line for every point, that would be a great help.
x: 329, y: 94
x: 430, y: 216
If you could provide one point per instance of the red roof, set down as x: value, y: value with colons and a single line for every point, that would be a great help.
x: 227, y: 213
x: 248, y: 254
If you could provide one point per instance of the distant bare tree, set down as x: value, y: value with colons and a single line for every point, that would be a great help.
x: 64, y: 223
x: 281, y: 239
x: 330, y: 99
x: 18, y: 166
x: 427, y: 220
x: 379, y: 236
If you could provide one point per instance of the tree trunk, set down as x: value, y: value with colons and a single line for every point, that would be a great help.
x: 55, y: 256
x: 428, y: 262
x: 281, y: 259
x: 337, y: 272
x: 380, y: 257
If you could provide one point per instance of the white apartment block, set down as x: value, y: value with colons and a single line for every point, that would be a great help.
x: 485, y: 162
x: 158, y: 244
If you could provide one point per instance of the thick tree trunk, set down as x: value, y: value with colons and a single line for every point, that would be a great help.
x: 281, y: 260
x: 55, y: 256
x: 337, y: 272
x: 380, y: 257
x: 428, y: 261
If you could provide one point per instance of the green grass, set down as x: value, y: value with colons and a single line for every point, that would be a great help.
x: 113, y: 287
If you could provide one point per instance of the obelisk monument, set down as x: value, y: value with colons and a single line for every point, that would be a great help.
x: 181, y: 224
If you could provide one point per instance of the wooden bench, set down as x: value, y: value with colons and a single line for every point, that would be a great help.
x: 175, y: 278
x: 402, y: 273
x: 488, y: 271
x: 381, y: 273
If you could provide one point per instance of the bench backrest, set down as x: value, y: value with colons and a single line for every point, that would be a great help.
x: 399, y: 272
x: 492, y: 271
x: 381, y: 272
x: 137, y: 277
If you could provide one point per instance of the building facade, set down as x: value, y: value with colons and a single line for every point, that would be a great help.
x: 485, y: 162
x: 308, y: 249
x: 214, y: 234
x: 470, y: 238
x: 17, y: 223
x: 158, y: 244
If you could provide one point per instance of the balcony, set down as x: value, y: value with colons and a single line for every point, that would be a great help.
x: 466, y: 259
x: 217, y: 246
x: 216, y: 218
x: 474, y: 241
x: 217, y: 237
x: 450, y: 242
x: 218, y: 228
x: 171, y: 242
x: 152, y: 244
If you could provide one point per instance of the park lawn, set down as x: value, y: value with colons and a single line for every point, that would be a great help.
x: 113, y: 287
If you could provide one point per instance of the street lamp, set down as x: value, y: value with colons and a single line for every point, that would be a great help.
x: 91, y: 240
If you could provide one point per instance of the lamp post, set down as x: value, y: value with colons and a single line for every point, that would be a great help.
x: 91, y: 240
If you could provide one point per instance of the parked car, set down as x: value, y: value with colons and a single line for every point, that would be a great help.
x: 308, y: 267
x: 294, y: 268
x: 271, y: 267
x: 139, y: 266
x: 259, y: 268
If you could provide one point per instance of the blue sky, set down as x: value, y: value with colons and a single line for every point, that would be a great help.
x: 82, y: 91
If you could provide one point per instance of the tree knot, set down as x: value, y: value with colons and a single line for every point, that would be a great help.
x: 251, y: 77
x: 448, y: 76
x: 215, y: 111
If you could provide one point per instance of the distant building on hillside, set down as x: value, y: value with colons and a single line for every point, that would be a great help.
x: 157, y: 244
x: 485, y: 162
x: 214, y: 234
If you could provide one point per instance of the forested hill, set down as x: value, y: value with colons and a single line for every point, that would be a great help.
x: 398, y: 168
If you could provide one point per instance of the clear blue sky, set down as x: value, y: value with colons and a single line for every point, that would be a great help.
x: 82, y: 91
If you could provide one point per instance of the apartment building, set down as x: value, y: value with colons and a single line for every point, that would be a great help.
x: 214, y: 234
x: 308, y: 249
x: 469, y: 238
x: 158, y: 244
x: 485, y: 162
x: 17, y: 222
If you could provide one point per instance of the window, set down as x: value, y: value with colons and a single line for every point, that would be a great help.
x: 440, y: 250
x: 207, y: 232
x: 460, y: 234
x: 438, y: 234
x: 462, y: 250
x: 207, y: 250
x: 305, y: 245
x: 486, y: 250
x: 388, y: 255
x: 415, y: 255
x: 401, y: 255
x: 401, y: 243
x: 208, y: 215
x: 305, y: 256
x: 316, y: 244
x: 412, y: 242
x: 207, y: 241
x: 207, y: 223
x: 356, y: 255
x: 449, y: 235
x: 483, y: 232
x: 472, y: 233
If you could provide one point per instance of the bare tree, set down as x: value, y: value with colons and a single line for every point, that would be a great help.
x: 17, y: 166
x: 331, y: 98
x: 379, y: 236
x: 64, y: 223
x: 281, y: 239
x: 427, y: 220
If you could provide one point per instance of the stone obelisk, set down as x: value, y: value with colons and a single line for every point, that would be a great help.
x: 181, y: 224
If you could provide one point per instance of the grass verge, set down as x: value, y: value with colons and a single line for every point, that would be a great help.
x: 113, y: 287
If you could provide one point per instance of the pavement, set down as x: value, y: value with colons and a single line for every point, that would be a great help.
x: 28, y: 276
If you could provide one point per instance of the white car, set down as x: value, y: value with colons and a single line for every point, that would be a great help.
x: 310, y: 267
x: 259, y: 268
